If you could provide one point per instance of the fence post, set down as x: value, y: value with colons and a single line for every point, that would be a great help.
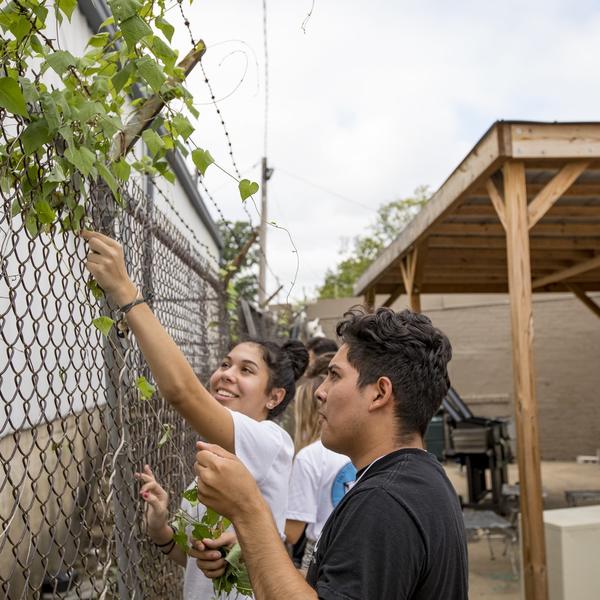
x: 120, y: 487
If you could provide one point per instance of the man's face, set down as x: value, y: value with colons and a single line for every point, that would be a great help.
x: 344, y: 406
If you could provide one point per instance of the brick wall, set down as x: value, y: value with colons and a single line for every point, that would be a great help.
x: 566, y: 353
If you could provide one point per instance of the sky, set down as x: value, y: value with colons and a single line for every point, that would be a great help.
x: 371, y: 100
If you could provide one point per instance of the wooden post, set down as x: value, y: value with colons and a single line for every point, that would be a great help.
x: 408, y: 267
x: 370, y: 299
x: 519, y: 281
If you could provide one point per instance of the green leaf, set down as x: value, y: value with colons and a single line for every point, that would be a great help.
x: 200, y: 532
x: 36, y: 45
x: 122, y: 169
x: 95, y: 288
x: 166, y: 436
x: 162, y: 51
x: 133, y: 30
x: 145, y: 388
x: 11, y: 97
x: 150, y: 72
x: 210, y: 517
x: 181, y: 539
x: 124, y: 9
x: 191, y: 494
x: 44, y: 212
x: 110, y: 180
x: 31, y: 223
x: 60, y: 61
x: 166, y: 27
x: 183, y: 126
x: 35, y: 136
x: 67, y: 7
x: 107, y: 23
x: 247, y: 188
x: 153, y: 141
x: 120, y: 78
x: 98, y: 40
x: 202, y: 159
x: 16, y: 208
x: 103, y: 324
x: 56, y: 174
x: 50, y: 112
x: 90, y: 110
x: 81, y: 158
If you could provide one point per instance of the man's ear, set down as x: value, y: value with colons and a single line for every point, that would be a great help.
x: 275, y: 398
x: 383, y: 394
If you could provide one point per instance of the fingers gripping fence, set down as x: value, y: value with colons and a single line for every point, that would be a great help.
x: 73, y: 428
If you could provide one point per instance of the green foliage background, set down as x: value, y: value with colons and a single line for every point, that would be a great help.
x: 391, y: 219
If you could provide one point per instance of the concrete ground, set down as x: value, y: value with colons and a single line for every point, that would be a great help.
x: 495, y: 579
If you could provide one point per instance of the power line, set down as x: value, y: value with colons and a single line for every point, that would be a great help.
x: 327, y: 191
x: 266, y: 49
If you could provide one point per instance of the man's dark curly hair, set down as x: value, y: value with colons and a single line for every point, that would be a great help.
x: 406, y: 348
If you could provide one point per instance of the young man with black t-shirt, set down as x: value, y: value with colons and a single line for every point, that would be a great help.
x: 398, y: 533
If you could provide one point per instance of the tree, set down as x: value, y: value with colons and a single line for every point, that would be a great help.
x: 392, y: 218
x: 244, y: 278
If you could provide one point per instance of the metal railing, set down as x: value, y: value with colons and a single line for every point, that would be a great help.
x: 73, y: 426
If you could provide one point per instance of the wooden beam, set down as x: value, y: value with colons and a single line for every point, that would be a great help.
x: 394, y: 296
x: 578, y: 269
x: 369, y: 301
x: 536, y: 243
x: 579, y: 293
x: 526, y: 412
x: 496, y: 199
x: 408, y: 268
x: 555, y: 140
x: 554, y: 189
x: 495, y: 229
x: 569, y: 210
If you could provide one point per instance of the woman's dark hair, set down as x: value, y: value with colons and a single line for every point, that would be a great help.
x: 321, y: 345
x: 287, y: 363
x: 406, y: 348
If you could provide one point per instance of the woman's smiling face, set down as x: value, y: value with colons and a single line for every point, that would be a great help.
x: 241, y: 381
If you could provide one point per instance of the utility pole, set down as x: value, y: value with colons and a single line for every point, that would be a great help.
x: 262, y: 268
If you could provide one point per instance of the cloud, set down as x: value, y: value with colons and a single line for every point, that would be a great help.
x: 377, y: 98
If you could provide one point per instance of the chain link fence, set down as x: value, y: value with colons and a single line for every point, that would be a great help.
x: 73, y: 428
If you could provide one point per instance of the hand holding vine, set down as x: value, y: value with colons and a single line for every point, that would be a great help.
x: 105, y: 261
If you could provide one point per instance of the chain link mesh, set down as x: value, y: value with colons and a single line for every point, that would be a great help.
x: 73, y: 429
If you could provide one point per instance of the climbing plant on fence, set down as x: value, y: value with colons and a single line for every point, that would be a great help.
x: 67, y: 124
x: 62, y: 116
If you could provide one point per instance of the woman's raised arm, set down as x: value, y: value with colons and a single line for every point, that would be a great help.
x: 173, y: 374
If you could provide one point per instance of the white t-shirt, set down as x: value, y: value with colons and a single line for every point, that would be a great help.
x: 267, y: 451
x: 319, y: 480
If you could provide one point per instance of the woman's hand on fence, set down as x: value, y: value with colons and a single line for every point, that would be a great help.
x: 157, y: 507
x: 208, y: 556
x: 105, y: 261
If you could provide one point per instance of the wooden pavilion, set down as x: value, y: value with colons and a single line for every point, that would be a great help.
x: 520, y: 214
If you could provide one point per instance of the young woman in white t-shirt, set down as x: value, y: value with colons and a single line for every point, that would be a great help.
x: 253, y: 384
x: 320, y: 477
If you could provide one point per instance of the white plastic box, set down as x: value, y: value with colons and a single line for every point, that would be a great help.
x: 573, y: 552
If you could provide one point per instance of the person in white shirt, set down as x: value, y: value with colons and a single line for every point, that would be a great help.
x: 253, y: 384
x: 320, y: 477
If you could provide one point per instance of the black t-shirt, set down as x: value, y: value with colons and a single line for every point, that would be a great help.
x: 398, y: 534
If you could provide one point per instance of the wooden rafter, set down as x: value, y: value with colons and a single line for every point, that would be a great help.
x: 496, y: 199
x: 581, y: 295
x: 408, y: 268
x: 554, y: 189
x: 369, y: 300
x: 495, y: 229
x: 578, y: 269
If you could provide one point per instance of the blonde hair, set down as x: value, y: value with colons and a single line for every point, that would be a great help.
x: 307, y: 428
